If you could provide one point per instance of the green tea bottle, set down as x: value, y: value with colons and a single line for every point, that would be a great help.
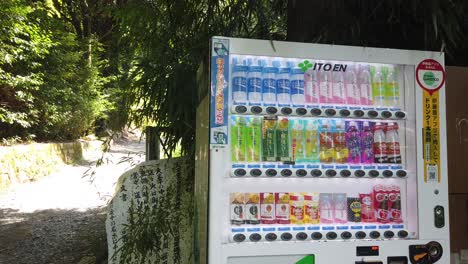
x: 268, y: 139
x: 238, y: 137
x: 254, y: 139
x: 283, y: 140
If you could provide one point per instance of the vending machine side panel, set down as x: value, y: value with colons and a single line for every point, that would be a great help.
x: 201, y: 169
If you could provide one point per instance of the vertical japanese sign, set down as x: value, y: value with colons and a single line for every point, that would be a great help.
x: 219, y: 92
x: 430, y: 76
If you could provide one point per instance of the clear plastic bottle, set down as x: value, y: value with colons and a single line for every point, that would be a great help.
x: 365, y: 85
x: 392, y: 140
x: 254, y: 82
x: 297, y: 139
x: 367, y: 139
x: 311, y: 87
x: 392, y: 89
x: 269, y: 83
x: 326, y: 143
x: 380, y: 148
x: 339, y: 92
x: 378, y: 87
x: 283, y: 84
x: 353, y: 142
x: 297, y: 86
x: 353, y: 95
x: 312, y: 146
x: 339, y: 143
x: 239, y: 81
x: 325, y: 87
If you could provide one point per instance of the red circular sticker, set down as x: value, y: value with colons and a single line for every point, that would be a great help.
x: 430, y: 75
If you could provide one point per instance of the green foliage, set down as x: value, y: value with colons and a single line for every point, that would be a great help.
x: 168, y: 40
x: 50, y: 81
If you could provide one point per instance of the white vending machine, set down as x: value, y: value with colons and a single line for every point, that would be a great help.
x: 321, y: 154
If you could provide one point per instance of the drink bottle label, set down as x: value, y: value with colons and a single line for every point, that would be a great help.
x: 284, y: 86
x: 297, y: 87
x: 269, y: 86
x: 239, y: 84
x: 254, y: 85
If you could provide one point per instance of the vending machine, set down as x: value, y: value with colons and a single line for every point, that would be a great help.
x: 322, y: 154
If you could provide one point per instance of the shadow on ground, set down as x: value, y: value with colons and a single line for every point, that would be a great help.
x: 53, y: 237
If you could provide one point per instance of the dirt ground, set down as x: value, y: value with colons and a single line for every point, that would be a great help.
x: 60, y: 219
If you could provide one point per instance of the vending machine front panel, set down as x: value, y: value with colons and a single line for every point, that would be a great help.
x: 319, y: 149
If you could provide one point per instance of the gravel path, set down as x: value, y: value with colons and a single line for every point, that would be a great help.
x: 60, y: 218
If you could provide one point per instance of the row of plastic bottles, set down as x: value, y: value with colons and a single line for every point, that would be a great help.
x: 277, y: 81
x: 255, y: 139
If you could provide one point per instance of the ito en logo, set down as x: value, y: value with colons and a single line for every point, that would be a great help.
x: 305, y: 65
